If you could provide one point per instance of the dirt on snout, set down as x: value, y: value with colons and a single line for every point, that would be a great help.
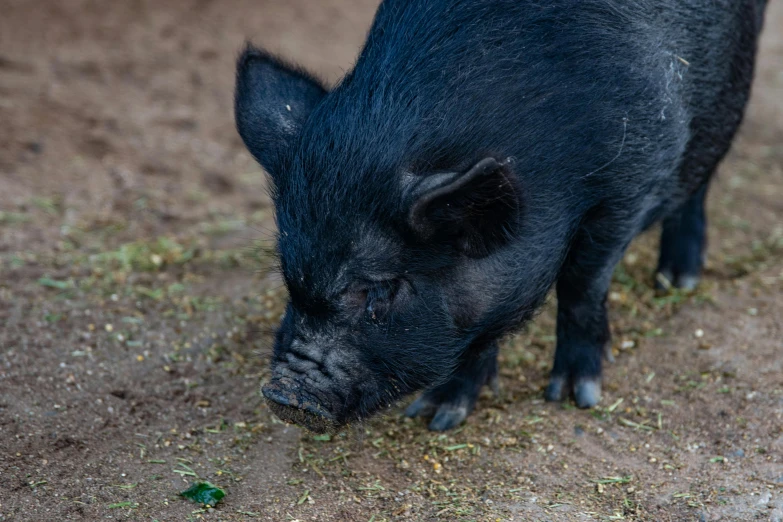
x: 137, y: 297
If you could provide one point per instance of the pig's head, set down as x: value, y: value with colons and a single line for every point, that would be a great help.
x: 387, y: 259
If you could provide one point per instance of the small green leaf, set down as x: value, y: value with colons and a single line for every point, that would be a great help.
x: 323, y: 438
x: 119, y: 505
x: 204, y: 493
x: 155, y: 294
x: 53, y: 283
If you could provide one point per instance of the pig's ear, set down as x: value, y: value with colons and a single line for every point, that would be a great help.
x: 271, y: 102
x: 476, y: 209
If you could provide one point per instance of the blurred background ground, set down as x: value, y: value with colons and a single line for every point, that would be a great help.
x: 137, y: 296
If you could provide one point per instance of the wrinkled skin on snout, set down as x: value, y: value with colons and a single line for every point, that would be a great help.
x: 354, y: 356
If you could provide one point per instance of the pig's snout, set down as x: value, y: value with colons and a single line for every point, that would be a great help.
x: 291, y: 403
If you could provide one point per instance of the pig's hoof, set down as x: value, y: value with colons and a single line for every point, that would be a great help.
x: 421, y: 407
x: 445, y: 415
x: 688, y: 282
x: 446, y: 412
x: 556, y: 391
x: 665, y: 280
x: 448, y: 416
x: 451, y: 402
x: 587, y: 392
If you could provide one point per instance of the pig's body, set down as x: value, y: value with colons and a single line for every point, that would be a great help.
x: 478, y: 153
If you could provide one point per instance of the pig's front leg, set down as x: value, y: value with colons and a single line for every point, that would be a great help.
x: 582, y: 322
x: 451, y: 402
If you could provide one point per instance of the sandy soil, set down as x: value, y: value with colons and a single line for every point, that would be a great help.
x: 137, y: 295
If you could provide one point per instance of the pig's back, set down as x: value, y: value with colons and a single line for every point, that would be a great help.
x: 718, y: 41
x: 609, y: 93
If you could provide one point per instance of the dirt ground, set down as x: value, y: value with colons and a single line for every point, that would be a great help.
x: 137, y: 295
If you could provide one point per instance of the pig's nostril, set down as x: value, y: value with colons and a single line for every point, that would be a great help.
x: 289, y: 402
x: 275, y: 394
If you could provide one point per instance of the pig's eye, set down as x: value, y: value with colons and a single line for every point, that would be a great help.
x: 374, y: 299
x: 380, y: 298
x: 355, y: 298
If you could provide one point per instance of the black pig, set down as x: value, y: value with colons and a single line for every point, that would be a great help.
x: 479, y: 152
